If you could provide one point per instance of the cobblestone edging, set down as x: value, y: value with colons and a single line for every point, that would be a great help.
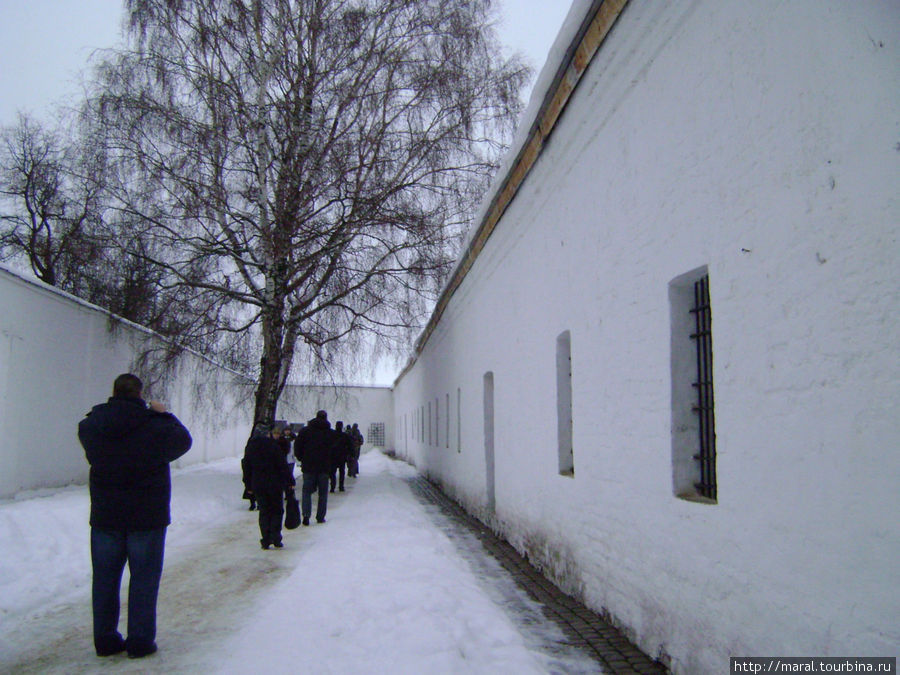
x: 583, y: 628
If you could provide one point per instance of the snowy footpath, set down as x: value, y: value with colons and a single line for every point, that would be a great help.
x: 381, y: 587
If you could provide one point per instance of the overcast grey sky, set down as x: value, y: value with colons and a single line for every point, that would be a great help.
x: 44, y: 44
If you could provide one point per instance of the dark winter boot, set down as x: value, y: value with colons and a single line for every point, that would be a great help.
x: 108, y: 646
x: 138, y: 649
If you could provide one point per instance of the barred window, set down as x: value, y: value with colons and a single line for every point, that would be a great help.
x: 705, y: 406
x: 693, y: 403
x: 376, y: 434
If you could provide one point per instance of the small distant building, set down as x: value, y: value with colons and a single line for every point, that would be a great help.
x: 667, y: 367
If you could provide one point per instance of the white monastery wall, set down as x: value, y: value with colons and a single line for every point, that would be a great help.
x: 757, y: 141
x: 59, y: 357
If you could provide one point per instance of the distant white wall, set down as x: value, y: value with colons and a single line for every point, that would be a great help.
x: 365, y: 406
x: 59, y: 357
x: 758, y: 140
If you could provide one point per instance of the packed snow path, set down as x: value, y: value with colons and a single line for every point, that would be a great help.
x: 386, y: 585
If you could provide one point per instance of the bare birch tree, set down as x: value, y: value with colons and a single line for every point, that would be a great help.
x: 306, y: 166
x: 53, y: 215
x: 49, y: 213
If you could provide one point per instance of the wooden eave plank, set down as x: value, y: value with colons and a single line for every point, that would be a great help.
x: 598, y: 21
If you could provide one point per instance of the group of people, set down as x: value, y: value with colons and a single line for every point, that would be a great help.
x: 129, y: 444
x: 326, y: 455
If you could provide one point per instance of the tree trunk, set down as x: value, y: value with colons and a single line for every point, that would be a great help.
x: 267, y: 391
x: 270, y: 366
x: 269, y: 388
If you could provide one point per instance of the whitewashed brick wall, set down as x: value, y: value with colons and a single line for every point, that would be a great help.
x: 761, y: 140
x: 59, y: 357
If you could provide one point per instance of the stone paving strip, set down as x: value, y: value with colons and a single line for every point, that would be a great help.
x: 582, y: 627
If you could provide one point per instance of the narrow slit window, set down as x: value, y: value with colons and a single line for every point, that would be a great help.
x: 564, y: 404
x: 458, y: 419
x: 489, y: 458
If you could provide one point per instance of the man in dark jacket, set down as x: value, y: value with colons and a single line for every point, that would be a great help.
x: 129, y: 446
x: 313, y: 449
x: 266, y: 473
x: 340, y: 453
x: 353, y: 462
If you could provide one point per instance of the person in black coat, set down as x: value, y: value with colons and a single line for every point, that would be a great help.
x: 129, y: 445
x: 340, y: 453
x: 357, y: 438
x: 248, y: 493
x: 286, y: 443
x: 266, y: 474
x: 313, y: 449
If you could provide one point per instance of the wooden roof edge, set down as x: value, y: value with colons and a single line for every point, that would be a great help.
x: 598, y: 20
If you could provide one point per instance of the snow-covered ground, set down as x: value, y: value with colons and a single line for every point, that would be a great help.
x: 381, y: 587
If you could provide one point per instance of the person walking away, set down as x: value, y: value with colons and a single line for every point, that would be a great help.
x: 291, y: 503
x: 286, y: 444
x: 129, y: 445
x: 313, y: 449
x: 245, y: 473
x: 341, y: 451
x: 266, y: 472
x: 351, y: 468
x: 357, y: 437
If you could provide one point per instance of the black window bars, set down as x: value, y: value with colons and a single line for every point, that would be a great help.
x: 376, y: 434
x: 705, y: 407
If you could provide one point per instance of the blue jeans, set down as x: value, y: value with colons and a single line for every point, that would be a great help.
x: 313, y: 482
x: 143, y: 550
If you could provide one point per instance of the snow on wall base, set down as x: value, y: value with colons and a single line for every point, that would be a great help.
x: 552, y: 557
